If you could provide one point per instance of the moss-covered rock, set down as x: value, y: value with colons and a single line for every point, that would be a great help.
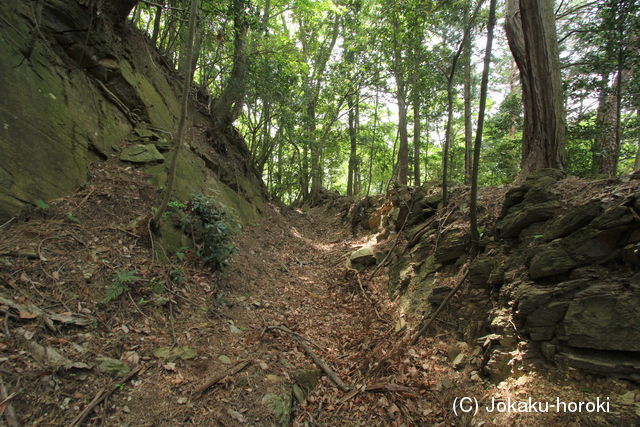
x: 572, y: 220
x: 550, y: 260
x: 141, y: 154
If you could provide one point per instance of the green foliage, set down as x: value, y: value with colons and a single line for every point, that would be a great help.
x: 42, y: 204
x: 213, y: 229
x: 119, y: 285
x: 71, y: 217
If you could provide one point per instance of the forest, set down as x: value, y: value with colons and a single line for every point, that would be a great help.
x: 319, y: 212
x: 352, y: 96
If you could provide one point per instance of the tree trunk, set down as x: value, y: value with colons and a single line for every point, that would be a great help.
x: 475, y: 232
x: 227, y: 108
x: 353, y: 145
x: 416, y: 139
x: 403, y: 148
x: 188, y: 57
x: 447, y: 141
x: 156, y: 25
x: 466, y: 56
x: 531, y: 33
x: 636, y: 164
x: 119, y: 10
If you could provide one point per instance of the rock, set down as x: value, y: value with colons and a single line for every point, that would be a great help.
x: 280, y: 405
x: 593, y: 246
x: 548, y: 350
x: 614, y: 217
x: 480, y: 271
x: 451, y: 247
x: 628, y: 398
x: 112, y: 367
x: 306, y: 380
x: 141, y: 154
x: 550, y: 260
x: 171, y: 354
x: 459, y: 361
x: 457, y: 348
x: 573, y: 220
x: 604, y: 322
x: 631, y: 254
x: 623, y: 365
x: 438, y: 294
x: 362, y: 258
x: 512, y: 224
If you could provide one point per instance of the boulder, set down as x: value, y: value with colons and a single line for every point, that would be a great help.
x: 141, y: 154
x: 519, y: 218
x: 573, y: 220
x: 602, y: 362
x: 604, y: 322
x: 451, y: 247
x: 593, y: 246
x: 362, y: 258
x: 616, y: 216
x: 550, y: 260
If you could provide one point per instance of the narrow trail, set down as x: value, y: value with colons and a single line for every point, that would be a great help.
x: 290, y: 271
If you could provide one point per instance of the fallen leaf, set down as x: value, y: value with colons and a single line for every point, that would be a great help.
x: 236, y: 415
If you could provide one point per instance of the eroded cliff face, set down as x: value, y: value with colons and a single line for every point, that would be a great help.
x: 76, y: 91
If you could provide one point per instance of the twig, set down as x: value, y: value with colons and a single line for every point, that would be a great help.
x: 136, y: 305
x: 125, y: 231
x: 5, y: 406
x: 153, y: 249
x: 216, y: 379
x: 7, y: 223
x: 317, y: 359
x: 373, y: 304
x: 104, y: 394
x: 290, y: 332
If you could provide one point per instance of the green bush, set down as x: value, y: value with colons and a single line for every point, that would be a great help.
x: 212, y: 228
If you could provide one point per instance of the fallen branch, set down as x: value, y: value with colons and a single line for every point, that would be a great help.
x: 104, y: 394
x: 373, y: 304
x: 295, y: 334
x: 30, y: 311
x: 5, y: 406
x: 218, y: 378
x: 317, y: 359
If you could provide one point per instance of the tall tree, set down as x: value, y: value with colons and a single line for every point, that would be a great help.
x: 531, y: 33
x: 475, y: 232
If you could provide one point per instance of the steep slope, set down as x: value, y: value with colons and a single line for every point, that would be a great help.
x: 76, y: 91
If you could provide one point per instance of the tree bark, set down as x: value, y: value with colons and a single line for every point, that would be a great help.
x: 466, y: 55
x: 119, y: 10
x: 156, y: 25
x: 227, y: 108
x: 353, y: 147
x: 531, y: 33
x: 401, y: 96
x: 416, y: 138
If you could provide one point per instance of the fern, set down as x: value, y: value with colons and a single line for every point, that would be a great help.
x: 119, y: 285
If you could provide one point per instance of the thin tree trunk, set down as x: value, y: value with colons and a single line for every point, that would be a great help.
x: 636, y: 164
x: 475, y: 232
x: 188, y: 49
x: 373, y: 141
x: 156, y: 25
x: 416, y: 139
x: 466, y: 55
x: 353, y: 147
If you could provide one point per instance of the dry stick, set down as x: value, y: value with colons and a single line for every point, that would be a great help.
x: 373, y: 304
x: 104, y: 394
x: 426, y: 325
x: 295, y: 334
x: 318, y: 361
x: 5, y: 406
x: 218, y: 378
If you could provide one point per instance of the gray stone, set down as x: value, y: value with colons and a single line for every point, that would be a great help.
x: 614, y: 217
x: 573, y: 220
x: 602, y: 362
x: 593, y: 246
x: 362, y: 258
x: 548, y: 350
x: 604, y: 322
x: 112, y: 367
x: 480, y: 271
x: 550, y: 260
x: 451, y: 247
x: 518, y: 219
x: 141, y: 154
x: 460, y: 361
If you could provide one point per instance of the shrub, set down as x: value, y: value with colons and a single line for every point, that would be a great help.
x: 212, y: 228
